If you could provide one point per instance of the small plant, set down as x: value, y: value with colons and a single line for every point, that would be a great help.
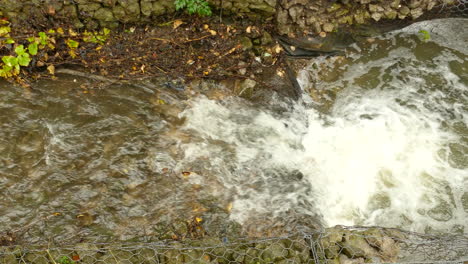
x: 65, y: 260
x: 424, y: 35
x: 199, y: 7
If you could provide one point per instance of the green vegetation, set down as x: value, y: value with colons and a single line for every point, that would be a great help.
x: 19, y: 52
x: 65, y: 260
x: 199, y: 7
x: 424, y: 35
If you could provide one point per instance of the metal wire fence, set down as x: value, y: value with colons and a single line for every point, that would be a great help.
x: 338, y: 245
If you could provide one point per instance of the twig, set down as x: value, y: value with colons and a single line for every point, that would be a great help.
x: 50, y: 256
x: 190, y: 40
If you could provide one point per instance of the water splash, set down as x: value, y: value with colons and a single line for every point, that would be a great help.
x: 391, y: 151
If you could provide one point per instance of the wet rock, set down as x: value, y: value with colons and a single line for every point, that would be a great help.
x: 356, y: 246
x: 274, y: 252
x: 441, y: 212
x: 464, y: 200
x: 246, y: 88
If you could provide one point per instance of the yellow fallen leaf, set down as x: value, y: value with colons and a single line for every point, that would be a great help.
x: 60, y: 31
x: 206, y: 26
x: 229, y: 207
x: 213, y: 33
x: 51, y: 69
x: 72, y: 33
x: 177, y: 23
x: 198, y: 219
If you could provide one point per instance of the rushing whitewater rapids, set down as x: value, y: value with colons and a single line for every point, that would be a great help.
x: 392, y: 150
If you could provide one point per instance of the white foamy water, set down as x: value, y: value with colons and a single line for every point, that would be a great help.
x: 392, y: 150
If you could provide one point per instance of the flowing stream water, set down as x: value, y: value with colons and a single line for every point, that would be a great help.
x: 382, y: 140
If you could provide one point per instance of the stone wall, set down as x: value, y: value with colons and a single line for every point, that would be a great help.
x: 289, y: 15
x: 325, y: 16
x: 109, y: 13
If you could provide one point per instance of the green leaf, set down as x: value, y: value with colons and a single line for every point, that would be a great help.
x: 32, y: 48
x: 9, y: 41
x: 72, y: 44
x: 106, y: 31
x: 43, y: 38
x: 24, y: 60
x: 20, y: 50
x: 10, y: 61
x: 424, y: 35
x: 5, y: 30
x: 31, y: 39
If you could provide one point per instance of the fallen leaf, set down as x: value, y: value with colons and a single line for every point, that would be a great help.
x: 51, y: 69
x: 72, y: 33
x: 198, y: 219
x: 186, y: 173
x: 229, y: 207
x: 248, y: 29
x: 213, y: 33
x: 177, y: 23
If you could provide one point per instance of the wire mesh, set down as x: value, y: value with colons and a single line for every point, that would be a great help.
x: 338, y: 245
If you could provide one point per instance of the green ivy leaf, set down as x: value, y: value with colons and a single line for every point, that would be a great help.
x: 20, y: 50
x: 43, y: 38
x: 24, y: 59
x: 32, y: 48
x: 10, y: 61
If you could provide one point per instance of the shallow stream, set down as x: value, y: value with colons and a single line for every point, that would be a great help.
x: 380, y: 137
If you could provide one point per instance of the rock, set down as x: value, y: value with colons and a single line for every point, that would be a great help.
x: 288, y: 3
x: 404, y: 10
x: 356, y: 246
x: 375, y: 8
x: 334, y: 7
x: 89, y: 8
x: 146, y: 8
x: 295, y: 12
x: 158, y: 9
x: 246, y: 43
x: 441, y: 212
x: 245, y: 88
x: 275, y: 252
x: 266, y: 38
x: 395, y: 4
x: 328, y: 27
x: 391, y: 14
x: 414, y: 4
x: 317, y: 27
x: 104, y: 14
x: 415, y: 13
x: 376, y: 16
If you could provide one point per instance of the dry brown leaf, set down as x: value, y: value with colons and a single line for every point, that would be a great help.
x: 177, y: 23
x: 51, y: 69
